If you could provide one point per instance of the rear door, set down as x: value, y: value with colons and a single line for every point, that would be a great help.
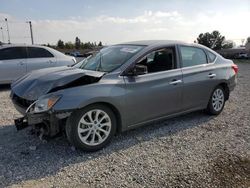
x: 157, y: 93
x: 39, y: 58
x: 13, y: 63
x: 199, y: 77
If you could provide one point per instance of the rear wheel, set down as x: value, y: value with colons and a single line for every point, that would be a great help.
x: 91, y: 128
x: 217, y: 101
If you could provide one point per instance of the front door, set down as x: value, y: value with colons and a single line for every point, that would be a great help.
x: 156, y: 93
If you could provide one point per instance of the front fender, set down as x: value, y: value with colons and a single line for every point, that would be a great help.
x: 79, y: 97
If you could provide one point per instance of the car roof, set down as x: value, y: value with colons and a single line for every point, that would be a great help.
x: 162, y: 42
x: 20, y: 45
x: 54, y: 51
x: 155, y: 42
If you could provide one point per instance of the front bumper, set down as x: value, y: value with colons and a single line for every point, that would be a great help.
x: 21, y: 123
x: 20, y: 104
x: 51, y: 121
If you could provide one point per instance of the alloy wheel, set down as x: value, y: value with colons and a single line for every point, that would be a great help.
x: 218, y: 99
x: 94, y: 127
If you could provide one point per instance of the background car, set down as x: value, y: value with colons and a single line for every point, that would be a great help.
x: 243, y: 55
x: 17, y: 60
x: 76, y: 54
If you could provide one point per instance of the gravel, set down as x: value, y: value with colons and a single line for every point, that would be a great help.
x: 195, y: 150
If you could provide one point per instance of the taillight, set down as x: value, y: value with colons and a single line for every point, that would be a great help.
x: 235, y: 68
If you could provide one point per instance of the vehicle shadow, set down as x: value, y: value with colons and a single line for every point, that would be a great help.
x: 4, y: 87
x: 20, y: 161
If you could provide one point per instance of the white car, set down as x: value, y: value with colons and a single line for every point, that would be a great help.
x: 17, y: 60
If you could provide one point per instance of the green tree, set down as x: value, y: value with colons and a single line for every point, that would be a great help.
x: 228, y: 44
x: 77, y: 43
x: 60, y: 44
x: 100, y: 43
x: 69, y: 45
x: 212, y: 40
x: 88, y: 45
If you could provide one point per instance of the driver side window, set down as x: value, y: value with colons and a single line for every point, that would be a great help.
x: 159, y: 60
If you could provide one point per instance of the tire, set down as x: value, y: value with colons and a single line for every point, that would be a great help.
x: 91, y: 132
x: 217, y: 101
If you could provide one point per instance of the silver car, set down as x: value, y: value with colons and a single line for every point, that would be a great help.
x: 122, y: 87
x: 17, y: 60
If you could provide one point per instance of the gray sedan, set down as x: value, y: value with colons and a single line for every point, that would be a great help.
x: 122, y: 87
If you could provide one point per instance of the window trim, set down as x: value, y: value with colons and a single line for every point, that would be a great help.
x: 177, y: 60
x: 216, y: 56
x: 159, y: 72
x: 12, y: 47
x: 27, y: 51
x: 180, y: 57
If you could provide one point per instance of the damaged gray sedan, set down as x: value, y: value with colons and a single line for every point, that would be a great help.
x: 121, y: 87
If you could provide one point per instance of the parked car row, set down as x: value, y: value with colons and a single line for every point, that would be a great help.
x: 242, y: 55
x: 17, y: 60
x: 79, y: 54
x: 122, y: 87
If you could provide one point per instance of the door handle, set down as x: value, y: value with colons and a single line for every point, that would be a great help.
x: 175, y: 82
x: 50, y: 61
x: 212, y: 75
x: 21, y: 63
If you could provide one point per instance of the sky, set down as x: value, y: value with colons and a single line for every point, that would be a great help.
x: 116, y: 21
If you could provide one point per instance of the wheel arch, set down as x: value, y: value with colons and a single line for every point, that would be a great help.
x: 224, y: 85
x: 115, y: 111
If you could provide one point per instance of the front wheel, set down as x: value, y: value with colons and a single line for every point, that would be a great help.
x: 91, y: 128
x: 217, y: 101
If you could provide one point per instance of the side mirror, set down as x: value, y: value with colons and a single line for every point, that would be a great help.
x: 137, y: 70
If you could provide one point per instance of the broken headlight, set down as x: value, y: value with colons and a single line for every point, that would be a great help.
x: 45, y: 104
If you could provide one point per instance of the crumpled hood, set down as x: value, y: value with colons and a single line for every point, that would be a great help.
x: 40, y: 82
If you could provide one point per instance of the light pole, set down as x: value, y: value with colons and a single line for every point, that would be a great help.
x: 31, y: 32
x: 242, y: 41
x: 2, y: 33
x: 7, y: 30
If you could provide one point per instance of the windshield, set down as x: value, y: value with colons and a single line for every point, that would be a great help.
x: 110, y: 58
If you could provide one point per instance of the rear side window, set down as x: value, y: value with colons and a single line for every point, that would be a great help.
x: 192, y: 56
x: 35, y: 52
x: 13, y: 53
x: 211, y: 56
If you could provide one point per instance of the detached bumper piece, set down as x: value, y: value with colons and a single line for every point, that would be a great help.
x: 46, y: 123
x: 21, y: 123
x: 49, y: 124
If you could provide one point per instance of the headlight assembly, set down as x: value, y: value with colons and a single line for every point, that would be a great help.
x: 45, y: 104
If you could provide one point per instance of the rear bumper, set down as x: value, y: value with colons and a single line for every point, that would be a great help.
x: 232, y: 83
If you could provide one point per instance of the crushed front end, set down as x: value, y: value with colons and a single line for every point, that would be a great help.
x: 40, y: 115
x: 35, y: 94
